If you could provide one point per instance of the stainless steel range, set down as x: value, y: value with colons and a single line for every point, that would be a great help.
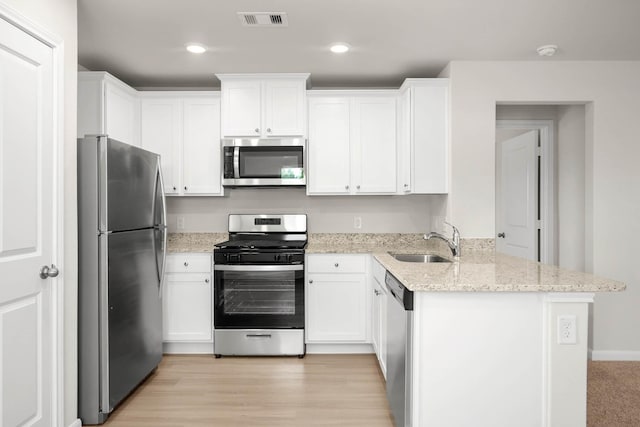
x: 259, y: 286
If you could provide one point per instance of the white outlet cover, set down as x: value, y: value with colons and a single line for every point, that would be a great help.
x: 567, y: 329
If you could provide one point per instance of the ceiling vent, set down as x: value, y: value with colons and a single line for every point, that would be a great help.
x: 263, y: 19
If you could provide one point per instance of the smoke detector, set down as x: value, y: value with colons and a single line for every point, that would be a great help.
x: 547, y: 50
x: 263, y: 19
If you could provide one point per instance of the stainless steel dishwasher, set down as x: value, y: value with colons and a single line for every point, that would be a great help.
x: 399, y: 363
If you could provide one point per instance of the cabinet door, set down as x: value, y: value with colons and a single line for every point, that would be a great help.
x: 374, y: 145
x: 160, y: 126
x: 187, y: 307
x: 284, y: 111
x: 241, y: 108
x: 379, y: 325
x: 430, y: 126
x: 120, y: 113
x: 329, y: 150
x: 201, y: 147
x: 336, y: 308
x: 404, y: 143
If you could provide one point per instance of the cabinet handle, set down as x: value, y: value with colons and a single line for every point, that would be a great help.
x: 269, y: 130
x: 346, y: 187
x: 501, y: 235
x: 357, y: 187
x: 185, y: 188
x: 207, y: 281
x: 336, y: 265
x: 310, y: 281
x: 257, y: 130
x: 406, y: 185
x: 377, y: 292
x: 186, y: 264
x: 174, y: 188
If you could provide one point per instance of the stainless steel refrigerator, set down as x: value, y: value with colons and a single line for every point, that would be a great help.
x: 122, y: 244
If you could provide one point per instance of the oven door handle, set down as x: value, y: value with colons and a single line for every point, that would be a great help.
x: 240, y: 267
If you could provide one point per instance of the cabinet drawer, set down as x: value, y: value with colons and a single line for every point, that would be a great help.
x: 188, y: 263
x: 336, y: 263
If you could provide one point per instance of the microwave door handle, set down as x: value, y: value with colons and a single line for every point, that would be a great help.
x: 236, y: 162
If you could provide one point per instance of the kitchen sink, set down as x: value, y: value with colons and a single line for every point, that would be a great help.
x: 424, y: 258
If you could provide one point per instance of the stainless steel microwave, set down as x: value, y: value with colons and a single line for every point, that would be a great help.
x: 263, y: 162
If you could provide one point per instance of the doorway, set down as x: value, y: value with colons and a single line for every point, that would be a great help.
x: 525, y: 220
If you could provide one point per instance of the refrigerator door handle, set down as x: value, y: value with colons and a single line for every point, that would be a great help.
x: 163, y: 228
x: 103, y: 310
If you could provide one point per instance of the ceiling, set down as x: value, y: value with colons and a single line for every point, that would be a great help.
x: 143, y: 42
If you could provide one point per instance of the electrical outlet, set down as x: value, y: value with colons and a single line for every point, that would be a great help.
x: 180, y: 223
x: 357, y: 222
x: 567, y: 333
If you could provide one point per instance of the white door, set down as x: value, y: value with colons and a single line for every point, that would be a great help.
x: 373, y: 132
x: 241, y: 108
x: 28, y: 207
x: 517, y: 196
x: 201, y: 149
x: 329, y: 146
x: 284, y: 108
x: 161, y: 132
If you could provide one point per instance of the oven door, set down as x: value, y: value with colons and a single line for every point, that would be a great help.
x: 259, y: 296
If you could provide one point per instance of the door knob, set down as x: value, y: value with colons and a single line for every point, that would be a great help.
x: 501, y: 235
x: 46, y: 272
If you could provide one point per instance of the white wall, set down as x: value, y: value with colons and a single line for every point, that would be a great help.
x: 59, y: 17
x: 611, y: 92
x: 571, y: 186
x: 326, y: 214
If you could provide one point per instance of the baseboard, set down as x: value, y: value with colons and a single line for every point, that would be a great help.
x: 187, y: 347
x: 76, y: 423
x: 615, y: 355
x: 339, y: 348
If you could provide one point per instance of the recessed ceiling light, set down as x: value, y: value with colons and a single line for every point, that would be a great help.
x: 196, y: 48
x: 339, y: 48
x: 547, y: 50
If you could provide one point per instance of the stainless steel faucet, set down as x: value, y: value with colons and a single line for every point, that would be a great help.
x: 454, y: 242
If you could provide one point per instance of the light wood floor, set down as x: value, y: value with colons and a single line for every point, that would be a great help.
x: 327, y: 390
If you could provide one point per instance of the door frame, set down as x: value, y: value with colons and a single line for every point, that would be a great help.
x: 547, y: 172
x: 56, y: 44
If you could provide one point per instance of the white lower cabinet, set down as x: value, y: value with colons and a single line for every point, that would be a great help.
x: 379, y: 315
x: 337, y: 299
x: 187, y: 304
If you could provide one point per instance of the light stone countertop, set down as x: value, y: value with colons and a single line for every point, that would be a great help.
x: 479, y: 269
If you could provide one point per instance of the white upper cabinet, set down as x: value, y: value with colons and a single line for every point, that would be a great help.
x: 107, y: 106
x: 329, y: 152
x: 423, y: 136
x: 352, y: 142
x: 263, y: 105
x: 184, y: 128
x: 161, y: 130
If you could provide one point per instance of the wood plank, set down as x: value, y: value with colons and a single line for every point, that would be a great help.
x: 199, y: 390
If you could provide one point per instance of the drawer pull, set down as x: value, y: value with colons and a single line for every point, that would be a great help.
x: 206, y: 280
x: 186, y: 264
x: 311, y: 281
x: 336, y: 265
